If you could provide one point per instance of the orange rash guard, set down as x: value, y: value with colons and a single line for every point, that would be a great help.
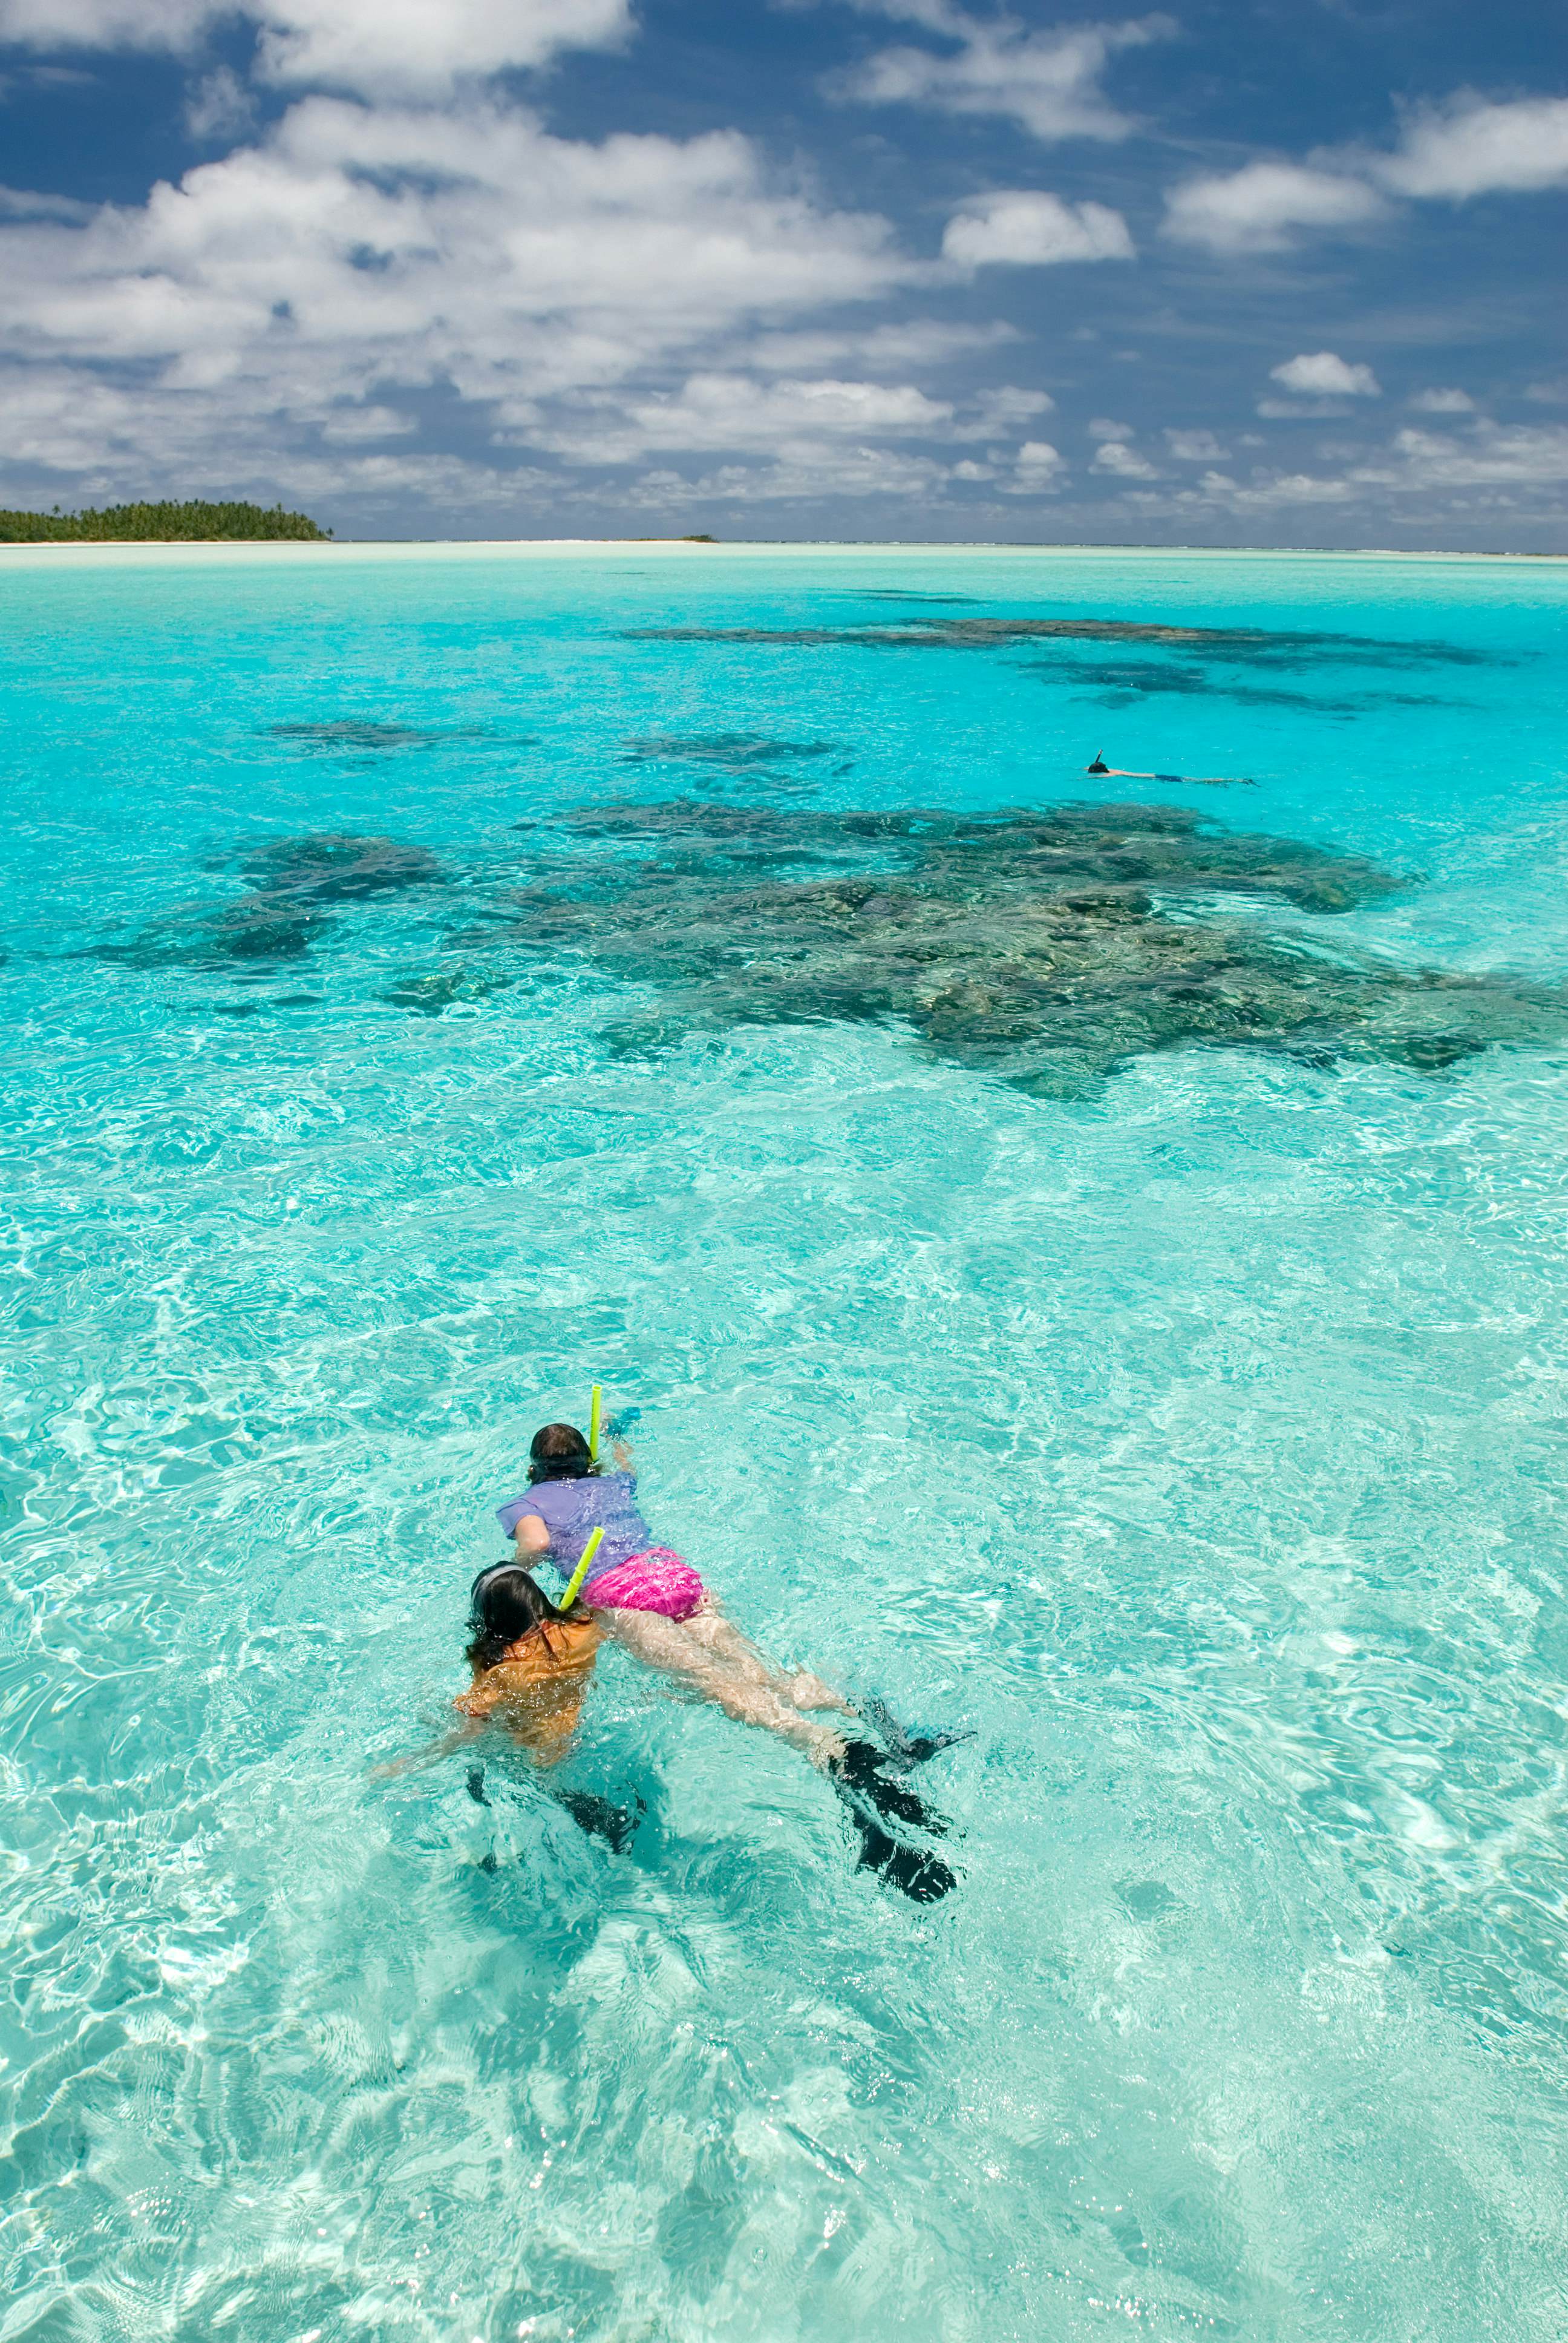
x: 537, y: 1689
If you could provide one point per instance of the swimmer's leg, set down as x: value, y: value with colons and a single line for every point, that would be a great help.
x: 797, y: 1686
x: 741, y: 1687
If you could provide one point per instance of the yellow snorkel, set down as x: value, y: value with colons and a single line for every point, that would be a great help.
x: 581, y: 1571
x: 596, y: 1406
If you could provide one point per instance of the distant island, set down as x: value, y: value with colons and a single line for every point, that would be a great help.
x: 174, y: 523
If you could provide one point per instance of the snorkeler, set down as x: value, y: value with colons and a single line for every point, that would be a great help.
x: 531, y: 1665
x: 650, y: 1599
x: 1194, y: 780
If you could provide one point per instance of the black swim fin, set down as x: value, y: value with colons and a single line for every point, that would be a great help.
x: 923, y: 1878
x: 860, y: 1770
x: 477, y: 1789
x: 906, y: 1748
x: 598, y: 1818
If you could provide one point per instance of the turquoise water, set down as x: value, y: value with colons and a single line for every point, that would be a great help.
x: 1196, y: 1439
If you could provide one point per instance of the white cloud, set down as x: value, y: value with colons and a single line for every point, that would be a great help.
x: 219, y: 108
x: 1444, y: 402
x: 830, y: 472
x: 969, y: 470
x: 793, y: 419
x: 1322, y: 374
x: 1124, y: 463
x: 388, y: 49
x: 1465, y: 147
x: 1491, y: 455
x: 1469, y: 147
x: 998, y: 414
x: 1263, y: 207
x: 1025, y: 227
x: 871, y: 350
x: 1102, y: 426
x: 356, y: 252
x: 1047, y: 81
x: 1036, y: 469
x: 1195, y: 447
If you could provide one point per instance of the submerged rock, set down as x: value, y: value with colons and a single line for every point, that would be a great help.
x: 1048, y: 948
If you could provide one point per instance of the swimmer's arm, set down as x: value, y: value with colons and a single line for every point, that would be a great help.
x: 417, y: 1760
x: 531, y: 1536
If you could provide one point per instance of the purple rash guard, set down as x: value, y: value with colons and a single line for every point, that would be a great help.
x: 570, y: 1510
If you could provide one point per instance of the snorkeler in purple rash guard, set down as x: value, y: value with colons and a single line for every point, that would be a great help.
x: 650, y: 1599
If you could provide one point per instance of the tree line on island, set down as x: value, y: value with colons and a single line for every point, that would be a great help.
x: 192, y: 522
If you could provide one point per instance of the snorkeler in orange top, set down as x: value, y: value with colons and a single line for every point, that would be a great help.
x: 1194, y: 780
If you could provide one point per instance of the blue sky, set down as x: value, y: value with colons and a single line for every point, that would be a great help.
x: 1267, y: 274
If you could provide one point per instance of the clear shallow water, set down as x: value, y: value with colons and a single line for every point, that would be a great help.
x: 1197, y: 1441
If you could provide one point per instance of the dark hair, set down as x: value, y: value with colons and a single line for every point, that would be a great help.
x: 559, y: 1453
x: 505, y: 1603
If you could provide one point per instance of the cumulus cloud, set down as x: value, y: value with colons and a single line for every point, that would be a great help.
x: 387, y: 48
x: 1048, y: 82
x: 1024, y: 227
x: 1037, y: 470
x: 1266, y: 206
x: 1104, y: 426
x: 1444, y: 402
x: 1469, y: 147
x: 1123, y: 461
x: 358, y: 253
x: 1195, y: 447
x: 734, y: 411
x: 903, y: 347
x: 1492, y: 455
x: 998, y: 414
x: 1322, y: 374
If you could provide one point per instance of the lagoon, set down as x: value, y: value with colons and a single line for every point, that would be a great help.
x: 1167, y: 1390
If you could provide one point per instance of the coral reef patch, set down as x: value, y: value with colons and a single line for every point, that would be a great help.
x: 293, y: 879
x: 1256, y: 645
x: 1048, y: 948
x: 733, y: 752
x: 358, y: 737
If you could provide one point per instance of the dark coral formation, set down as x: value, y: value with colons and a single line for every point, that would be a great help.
x: 1045, y: 948
x: 362, y: 737
x: 428, y: 993
x: 1257, y: 644
x: 293, y: 879
x: 733, y: 752
x: 1048, y: 948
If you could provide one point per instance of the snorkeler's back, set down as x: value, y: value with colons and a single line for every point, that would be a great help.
x: 536, y: 1689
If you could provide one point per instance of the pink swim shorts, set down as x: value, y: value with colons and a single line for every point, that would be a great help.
x: 655, y: 1580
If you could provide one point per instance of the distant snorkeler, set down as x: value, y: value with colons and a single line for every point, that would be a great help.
x: 1192, y: 780
x: 652, y: 1602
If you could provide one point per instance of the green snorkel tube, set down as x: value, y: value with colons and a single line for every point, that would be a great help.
x: 595, y: 1413
x: 581, y: 1571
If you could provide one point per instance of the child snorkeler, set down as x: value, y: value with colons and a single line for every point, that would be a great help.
x: 651, y: 1601
x: 531, y: 1664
